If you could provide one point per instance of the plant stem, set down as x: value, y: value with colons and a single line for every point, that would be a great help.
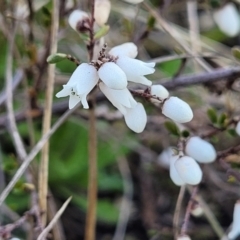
x: 92, y: 178
x: 43, y: 170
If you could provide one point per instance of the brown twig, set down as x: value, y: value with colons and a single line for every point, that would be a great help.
x: 188, y: 211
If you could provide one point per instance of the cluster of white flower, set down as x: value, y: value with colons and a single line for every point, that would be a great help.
x: 111, y: 72
x: 184, y: 168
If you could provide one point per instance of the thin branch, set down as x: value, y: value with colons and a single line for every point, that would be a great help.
x: 32, y: 155
x: 43, y: 169
x: 45, y: 232
x: 178, y: 210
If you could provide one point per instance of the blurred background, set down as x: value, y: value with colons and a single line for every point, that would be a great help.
x: 136, y: 197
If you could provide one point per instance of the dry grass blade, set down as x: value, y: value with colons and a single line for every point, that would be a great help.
x: 45, y: 232
x: 43, y: 170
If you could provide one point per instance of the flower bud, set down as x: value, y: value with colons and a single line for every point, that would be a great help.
x: 78, y: 19
x: 133, y: 1
x: 228, y: 20
x: 113, y: 76
x: 197, y: 210
x: 201, y: 150
x: 188, y: 170
x: 159, y: 91
x: 183, y: 237
x: 101, y: 11
x: 178, y: 110
x: 164, y: 158
x: 173, y: 172
x: 237, y: 129
x: 235, y: 231
x: 128, y: 49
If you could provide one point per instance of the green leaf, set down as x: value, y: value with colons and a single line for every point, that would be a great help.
x: 236, y: 52
x: 212, y: 114
x: 151, y: 22
x: 222, y: 120
x: 101, y: 32
x: 232, y: 132
x: 57, y: 57
x: 185, y: 133
x: 172, y: 128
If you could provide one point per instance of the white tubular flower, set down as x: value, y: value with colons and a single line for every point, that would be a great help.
x: 178, y: 110
x: 188, y: 170
x: 128, y: 49
x: 121, y: 99
x: 113, y: 76
x: 76, y: 17
x: 228, y: 20
x: 237, y: 129
x: 80, y: 84
x: 136, y: 69
x: 136, y: 118
x: 235, y: 231
x: 133, y: 1
x: 201, y: 150
x: 159, y: 91
x: 173, y: 172
x: 183, y: 237
x: 164, y: 158
x: 101, y: 11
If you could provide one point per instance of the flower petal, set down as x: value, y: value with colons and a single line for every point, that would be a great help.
x: 113, y: 76
x: 173, y: 172
x: 73, y: 100
x: 178, y: 110
x: 66, y: 91
x: 85, y: 77
x: 101, y: 11
x: 159, y: 91
x: 128, y: 49
x: 131, y: 66
x: 188, y: 170
x: 136, y: 118
x: 119, y: 98
x: 75, y: 17
x: 235, y: 231
x: 201, y: 150
x: 84, y: 101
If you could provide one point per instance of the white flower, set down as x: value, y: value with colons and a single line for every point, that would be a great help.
x: 228, y: 20
x: 101, y: 11
x: 133, y: 68
x: 159, y: 91
x: 164, y: 158
x: 128, y: 49
x: 201, y: 150
x: 133, y: 1
x: 113, y: 76
x: 136, y: 69
x: 235, y: 231
x: 80, y: 84
x: 184, y: 237
x: 188, y: 170
x: 136, y: 118
x: 174, y: 175
x: 238, y: 128
x: 121, y: 99
x: 178, y: 110
x: 76, y: 17
x: 197, y: 210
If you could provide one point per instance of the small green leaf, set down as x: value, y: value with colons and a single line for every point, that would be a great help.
x: 172, y: 128
x: 222, y: 120
x: 84, y: 37
x: 211, y: 112
x: 232, y: 132
x: 151, y: 22
x: 101, y: 32
x: 57, y: 57
x: 185, y: 133
x: 236, y: 52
